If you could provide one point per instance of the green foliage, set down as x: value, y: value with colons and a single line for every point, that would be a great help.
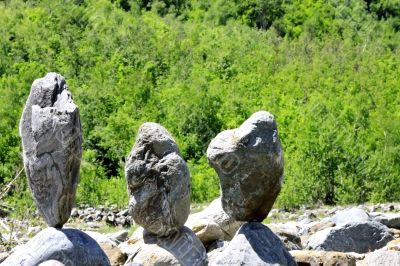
x: 261, y: 13
x: 163, y: 7
x: 328, y: 70
x: 384, y: 9
x: 20, y: 199
x: 95, y: 187
x: 205, y: 182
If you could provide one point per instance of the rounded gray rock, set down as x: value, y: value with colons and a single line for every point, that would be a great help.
x: 350, y: 215
x: 180, y: 248
x: 381, y: 258
x: 359, y: 237
x: 158, y: 181
x: 249, y: 163
x: 65, y: 246
x: 254, y: 244
x: 52, y: 147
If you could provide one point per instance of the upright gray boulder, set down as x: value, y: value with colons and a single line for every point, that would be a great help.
x: 158, y: 181
x: 254, y: 244
x: 65, y: 246
x: 249, y: 163
x: 52, y: 146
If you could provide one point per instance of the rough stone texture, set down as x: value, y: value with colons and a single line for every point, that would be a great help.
x: 322, y: 258
x: 308, y: 230
x: 3, y: 256
x: 153, y: 255
x: 68, y: 246
x: 360, y: 237
x: 180, y: 248
x: 391, y: 220
x: 110, y: 248
x: 213, y: 223
x: 350, y: 216
x: 51, y: 263
x: 395, y: 232
x: 307, y: 217
x: 288, y: 236
x: 217, y: 244
x: 320, y: 226
x: 249, y: 163
x: 381, y: 258
x: 158, y: 181
x: 215, y: 249
x: 133, y: 244
x: 393, y: 245
x: 119, y: 236
x: 52, y: 146
x: 254, y: 244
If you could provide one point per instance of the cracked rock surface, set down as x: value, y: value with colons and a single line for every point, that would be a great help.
x: 249, y: 163
x: 158, y: 181
x: 52, y: 147
x: 359, y: 237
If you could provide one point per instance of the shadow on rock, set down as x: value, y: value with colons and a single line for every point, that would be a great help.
x: 254, y: 244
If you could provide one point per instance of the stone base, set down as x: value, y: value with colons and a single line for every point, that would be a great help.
x: 68, y: 246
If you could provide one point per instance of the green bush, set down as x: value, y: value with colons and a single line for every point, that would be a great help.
x: 205, y: 182
x: 328, y: 71
x: 95, y: 187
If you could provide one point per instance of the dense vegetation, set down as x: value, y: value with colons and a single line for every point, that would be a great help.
x: 327, y: 69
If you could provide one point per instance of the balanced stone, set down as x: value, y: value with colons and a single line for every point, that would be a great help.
x: 158, y: 181
x: 52, y: 147
x: 249, y: 163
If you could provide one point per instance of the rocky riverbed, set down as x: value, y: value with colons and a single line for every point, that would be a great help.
x: 341, y: 235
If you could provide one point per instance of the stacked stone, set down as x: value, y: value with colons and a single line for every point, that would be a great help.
x: 159, y: 189
x: 249, y: 163
x: 52, y: 147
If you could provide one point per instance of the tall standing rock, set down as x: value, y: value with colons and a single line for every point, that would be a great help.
x: 52, y: 147
x: 158, y: 181
x: 249, y: 163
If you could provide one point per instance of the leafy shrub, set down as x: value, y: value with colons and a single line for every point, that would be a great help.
x: 328, y: 71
